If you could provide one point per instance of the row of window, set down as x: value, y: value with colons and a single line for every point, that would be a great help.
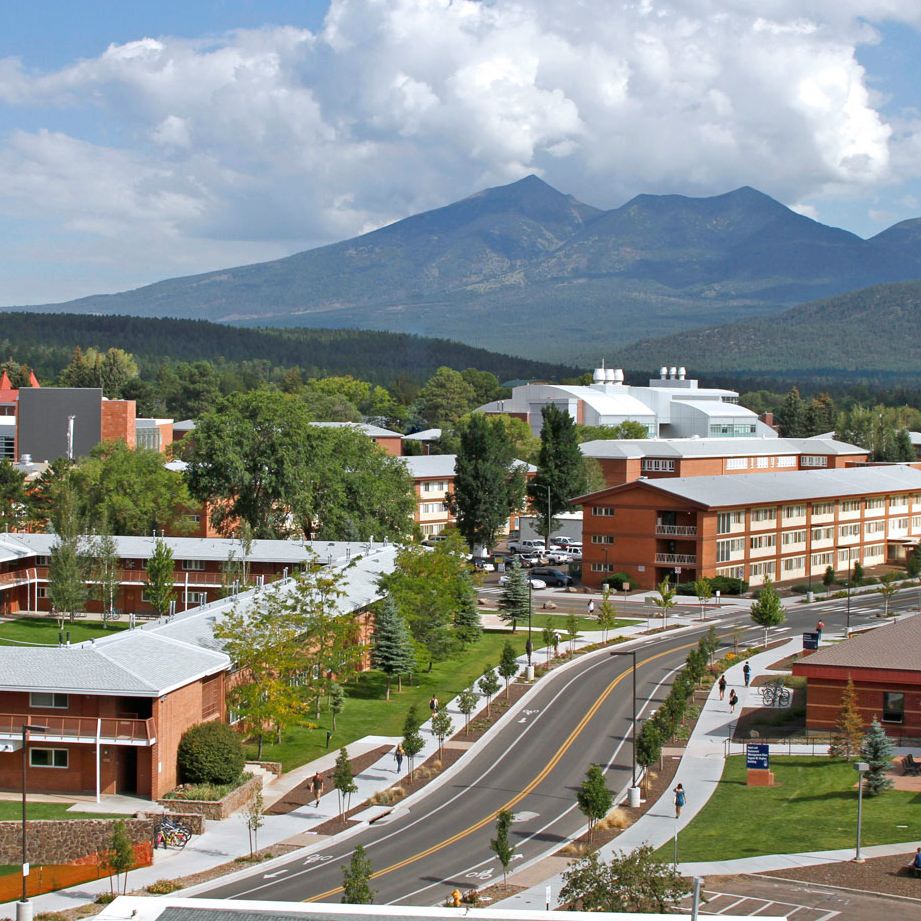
x: 871, y: 553
x: 658, y: 465
x: 763, y: 463
x: 728, y: 521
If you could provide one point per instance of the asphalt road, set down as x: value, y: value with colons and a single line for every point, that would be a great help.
x: 533, y: 767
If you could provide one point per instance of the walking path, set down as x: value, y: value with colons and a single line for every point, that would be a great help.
x: 224, y: 841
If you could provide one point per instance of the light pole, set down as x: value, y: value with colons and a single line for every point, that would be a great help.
x: 528, y: 645
x: 24, y: 906
x: 634, y: 789
x: 861, y: 767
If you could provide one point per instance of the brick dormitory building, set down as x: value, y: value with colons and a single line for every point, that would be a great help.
x: 115, y: 708
x: 789, y: 526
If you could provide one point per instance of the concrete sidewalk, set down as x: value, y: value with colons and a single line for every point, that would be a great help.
x: 700, y: 771
x: 224, y: 841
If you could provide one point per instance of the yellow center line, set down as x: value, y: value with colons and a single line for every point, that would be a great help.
x: 550, y: 765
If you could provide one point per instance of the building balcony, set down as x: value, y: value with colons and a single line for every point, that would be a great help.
x: 677, y: 559
x: 181, y: 577
x: 108, y: 730
x: 676, y: 530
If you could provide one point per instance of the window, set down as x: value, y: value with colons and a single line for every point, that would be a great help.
x: 148, y: 438
x: 434, y: 486
x: 893, y: 706
x: 603, y: 511
x: 602, y: 567
x: 43, y: 561
x: 849, y: 530
x: 851, y: 505
x: 823, y: 559
x: 845, y: 557
x: 193, y: 565
x: 48, y: 757
x: 788, y: 460
x: 876, y: 503
x: 823, y: 508
x: 41, y: 591
x: 193, y: 519
x: 767, y: 568
x: 726, y: 520
x: 658, y: 464
x: 764, y: 514
x: 732, y: 429
x: 732, y: 572
x: 45, y: 699
x: 814, y: 460
x: 794, y: 537
x: 916, y: 522
x: 726, y: 548
x: 431, y: 508
x: 764, y: 462
x: 602, y: 538
x: 794, y: 511
x: 793, y: 563
x: 737, y: 463
x: 822, y: 534
x: 763, y: 540
x: 874, y: 527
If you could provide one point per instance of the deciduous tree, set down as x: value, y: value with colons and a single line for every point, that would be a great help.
x: 356, y: 879
x: 343, y: 780
x: 442, y: 726
x: 501, y: 845
x: 508, y: 665
x: 466, y: 703
x: 768, y: 611
x: 160, y: 573
x: 849, y: 732
x: 594, y: 798
x: 488, y: 685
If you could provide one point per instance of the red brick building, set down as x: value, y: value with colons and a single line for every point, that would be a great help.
x: 885, y: 666
x: 785, y: 526
x: 115, y: 708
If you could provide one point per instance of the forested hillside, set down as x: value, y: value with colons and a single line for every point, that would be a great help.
x: 45, y: 342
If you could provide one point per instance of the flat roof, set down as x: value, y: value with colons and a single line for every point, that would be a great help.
x: 714, y: 447
x: 893, y: 646
x: 723, y: 491
x: 430, y: 466
x: 372, y: 431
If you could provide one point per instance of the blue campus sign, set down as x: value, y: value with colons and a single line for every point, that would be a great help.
x: 810, y: 641
x: 757, y: 756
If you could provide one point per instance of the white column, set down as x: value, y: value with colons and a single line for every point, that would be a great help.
x: 98, y: 779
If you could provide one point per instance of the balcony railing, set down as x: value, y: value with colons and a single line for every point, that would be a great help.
x: 677, y: 558
x: 139, y: 577
x: 111, y: 730
x: 677, y: 530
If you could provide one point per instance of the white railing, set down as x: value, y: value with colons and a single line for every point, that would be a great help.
x: 676, y: 558
x: 677, y: 530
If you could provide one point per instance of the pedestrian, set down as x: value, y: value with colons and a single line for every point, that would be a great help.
x: 316, y: 784
x: 733, y: 700
x: 747, y: 673
x: 556, y: 644
x: 916, y: 862
x: 398, y: 754
x: 819, y: 627
x: 591, y: 606
x: 722, y: 685
x: 433, y: 704
x: 680, y: 799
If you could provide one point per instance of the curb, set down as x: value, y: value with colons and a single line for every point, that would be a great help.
x: 876, y: 895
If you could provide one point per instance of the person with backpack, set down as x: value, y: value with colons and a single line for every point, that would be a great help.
x: 721, y: 684
x: 733, y: 700
x: 398, y: 754
x: 680, y: 800
x: 747, y: 673
x: 316, y: 785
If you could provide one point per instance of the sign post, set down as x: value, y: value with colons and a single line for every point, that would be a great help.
x: 758, y: 763
x: 810, y: 642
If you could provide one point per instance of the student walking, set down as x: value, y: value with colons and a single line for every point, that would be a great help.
x: 433, y: 704
x: 591, y: 606
x: 722, y: 685
x: 398, y: 754
x: 819, y: 627
x: 680, y: 800
x: 316, y: 785
x: 733, y: 700
x: 747, y: 673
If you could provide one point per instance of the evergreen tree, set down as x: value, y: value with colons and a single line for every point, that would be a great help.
x: 160, y: 569
x: 488, y: 685
x: 488, y: 484
x: 828, y: 577
x: 508, y: 665
x: 594, y: 798
x: 903, y: 450
x: 356, y: 879
x: 14, y: 504
x: 515, y: 598
x: 821, y: 415
x: 467, y: 623
x: 848, y: 727
x: 767, y: 611
x: 857, y: 577
x: 343, y: 780
x: 391, y: 644
x: 913, y: 564
x: 876, y: 750
x: 561, y: 473
x: 791, y: 417
x: 466, y: 703
x: 446, y: 397
x: 501, y: 845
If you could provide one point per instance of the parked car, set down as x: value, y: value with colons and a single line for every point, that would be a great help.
x: 530, y: 559
x: 562, y: 541
x: 553, y: 577
x: 528, y: 545
x: 559, y: 556
x: 535, y: 583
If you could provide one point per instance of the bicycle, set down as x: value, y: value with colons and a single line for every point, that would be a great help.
x: 775, y: 695
x: 171, y: 833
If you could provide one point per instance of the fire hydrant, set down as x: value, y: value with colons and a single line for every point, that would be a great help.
x: 456, y: 898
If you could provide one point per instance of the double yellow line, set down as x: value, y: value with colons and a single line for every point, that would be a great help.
x: 550, y: 765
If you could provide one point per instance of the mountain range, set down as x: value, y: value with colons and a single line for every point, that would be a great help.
x: 529, y: 270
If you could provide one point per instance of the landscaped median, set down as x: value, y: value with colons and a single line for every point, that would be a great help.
x: 811, y: 807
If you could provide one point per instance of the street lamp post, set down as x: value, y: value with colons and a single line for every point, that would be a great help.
x: 634, y: 789
x: 529, y: 645
x: 861, y: 767
x: 24, y: 906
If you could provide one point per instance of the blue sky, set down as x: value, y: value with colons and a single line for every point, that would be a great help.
x: 145, y: 140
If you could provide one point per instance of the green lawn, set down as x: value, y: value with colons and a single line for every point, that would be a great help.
x: 12, y: 810
x: 367, y: 713
x: 45, y: 630
x: 584, y: 624
x: 811, y: 807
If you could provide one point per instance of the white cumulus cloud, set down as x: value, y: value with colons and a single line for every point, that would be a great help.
x: 286, y: 138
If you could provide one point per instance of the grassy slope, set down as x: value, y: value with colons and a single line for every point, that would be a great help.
x: 12, y: 810
x: 44, y: 631
x: 811, y: 807
x: 367, y: 713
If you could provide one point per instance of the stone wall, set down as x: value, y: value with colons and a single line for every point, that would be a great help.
x: 67, y: 840
x: 217, y: 809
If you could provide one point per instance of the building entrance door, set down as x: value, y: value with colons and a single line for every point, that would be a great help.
x: 126, y: 769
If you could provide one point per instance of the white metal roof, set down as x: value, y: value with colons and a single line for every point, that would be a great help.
x: 788, y: 486
x: 717, y: 408
x: 424, y: 435
x: 441, y: 466
x: 372, y: 431
x: 714, y: 447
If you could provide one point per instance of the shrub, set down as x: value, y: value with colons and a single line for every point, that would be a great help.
x: 616, y: 580
x: 104, y: 898
x: 163, y: 887
x: 727, y: 586
x: 801, y: 588
x: 210, y: 753
x: 206, y: 792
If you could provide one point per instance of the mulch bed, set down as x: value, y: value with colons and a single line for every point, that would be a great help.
x: 498, y: 892
x: 886, y: 875
x: 498, y: 706
x: 301, y: 795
